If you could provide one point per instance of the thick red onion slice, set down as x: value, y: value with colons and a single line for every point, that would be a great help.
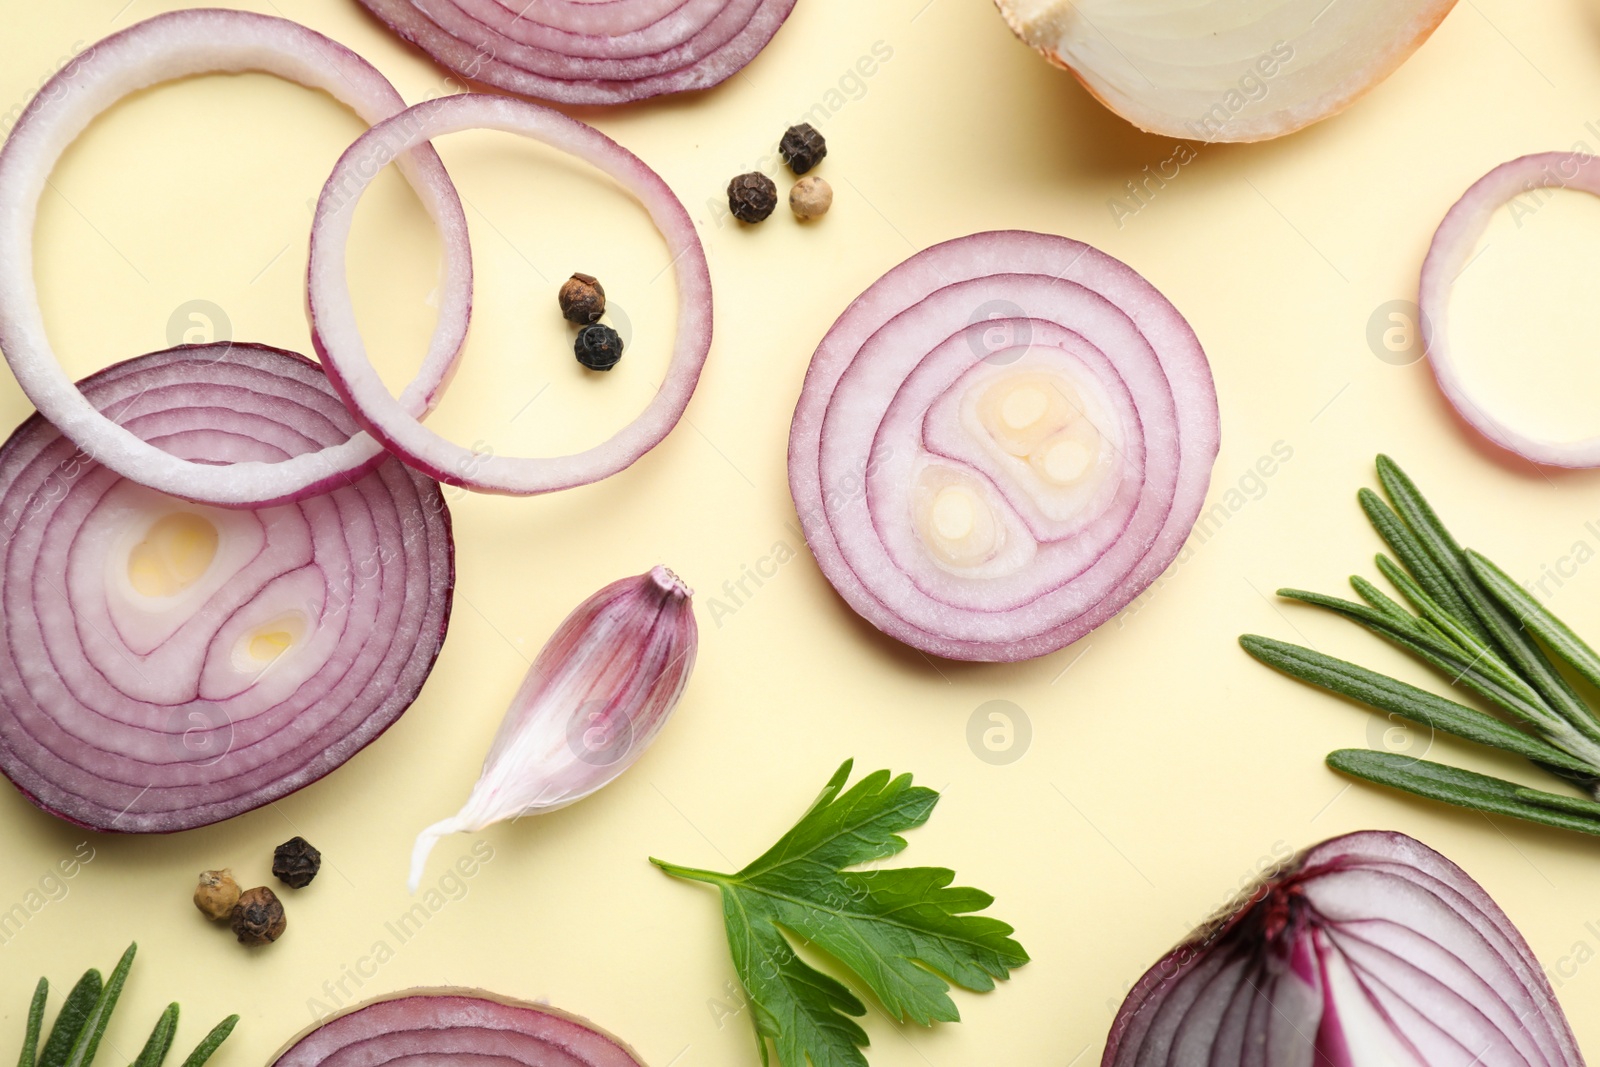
x: 462, y: 1026
x: 166, y: 665
x: 574, y: 52
x: 1369, y: 948
x: 160, y: 49
x: 338, y: 340
x: 1001, y: 443
x: 1453, y: 248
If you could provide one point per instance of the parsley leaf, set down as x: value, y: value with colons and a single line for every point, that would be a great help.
x: 906, y: 933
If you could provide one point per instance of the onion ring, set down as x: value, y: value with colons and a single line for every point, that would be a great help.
x: 1451, y: 252
x: 996, y: 499
x: 160, y: 49
x: 166, y: 665
x: 338, y: 339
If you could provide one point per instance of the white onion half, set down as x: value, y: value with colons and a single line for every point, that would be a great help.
x: 1367, y: 949
x: 160, y: 49
x: 1453, y: 248
x: 338, y: 338
x: 1226, y: 70
x: 1001, y: 443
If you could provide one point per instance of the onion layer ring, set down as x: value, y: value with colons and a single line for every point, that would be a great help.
x: 160, y: 49
x: 905, y: 409
x: 165, y: 665
x: 455, y: 1025
x: 1451, y: 252
x: 338, y: 339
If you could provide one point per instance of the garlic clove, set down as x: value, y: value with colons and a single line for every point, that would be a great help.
x: 596, y: 696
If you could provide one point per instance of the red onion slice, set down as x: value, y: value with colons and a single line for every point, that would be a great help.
x: 1001, y: 443
x: 438, y: 1026
x: 1369, y: 948
x: 166, y: 665
x: 338, y: 340
x: 1451, y: 251
x: 160, y: 49
x: 609, y: 52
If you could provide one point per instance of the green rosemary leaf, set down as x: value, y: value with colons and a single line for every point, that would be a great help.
x: 155, y: 1049
x: 1536, y: 617
x: 1409, y: 702
x: 1379, y: 601
x: 1464, y: 789
x: 94, y: 1026
x: 70, y: 1019
x: 210, y: 1043
x: 30, y: 1037
x: 1575, y: 805
x: 1405, y: 544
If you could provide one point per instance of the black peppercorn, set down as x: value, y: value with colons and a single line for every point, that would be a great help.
x: 582, y: 299
x: 258, y: 918
x: 598, y: 347
x: 802, y: 147
x: 751, y: 197
x: 295, y: 862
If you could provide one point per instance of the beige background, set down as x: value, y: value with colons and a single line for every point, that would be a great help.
x: 1164, y: 767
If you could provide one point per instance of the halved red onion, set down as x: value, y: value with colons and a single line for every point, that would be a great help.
x: 1453, y: 248
x: 462, y: 1026
x: 1369, y: 948
x: 166, y: 665
x: 338, y: 339
x: 576, y: 52
x: 1001, y: 443
x: 160, y: 49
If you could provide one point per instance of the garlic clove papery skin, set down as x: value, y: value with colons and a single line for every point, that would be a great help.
x: 596, y: 696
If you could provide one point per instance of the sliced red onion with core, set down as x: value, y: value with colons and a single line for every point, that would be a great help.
x: 166, y: 665
x: 572, y: 52
x: 1001, y: 443
x: 160, y: 49
x: 1369, y: 948
x: 1453, y: 248
x: 463, y: 1026
x: 338, y: 339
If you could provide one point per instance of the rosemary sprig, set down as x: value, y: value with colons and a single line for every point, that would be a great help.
x: 1485, y: 634
x: 75, y: 1036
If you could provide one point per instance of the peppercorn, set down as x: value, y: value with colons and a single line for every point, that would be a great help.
x: 751, y: 197
x: 811, y: 197
x: 582, y: 299
x: 258, y: 918
x: 216, y: 894
x: 295, y: 862
x: 598, y: 347
x: 802, y: 147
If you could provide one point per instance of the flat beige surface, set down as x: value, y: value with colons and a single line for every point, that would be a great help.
x: 1164, y: 766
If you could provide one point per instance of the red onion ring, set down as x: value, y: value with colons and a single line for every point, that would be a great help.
x: 166, y: 665
x: 892, y: 417
x: 1449, y: 254
x: 455, y: 1025
x: 338, y: 340
x: 1369, y: 948
x: 609, y: 52
x: 160, y: 49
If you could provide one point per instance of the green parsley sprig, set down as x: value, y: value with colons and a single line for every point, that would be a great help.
x: 905, y: 933
x: 1488, y: 636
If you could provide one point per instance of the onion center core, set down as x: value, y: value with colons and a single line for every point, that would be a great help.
x: 176, y: 552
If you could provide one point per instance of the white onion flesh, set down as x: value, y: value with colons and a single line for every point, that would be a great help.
x: 338, y: 338
x: 423, y: 1027
x: 571, y: 52
x: 1367, y: 949
x: 993, y: 487
x: 166, y: 665
x: 176, y: 45
x: 1226, y: 70
x: 1454, y: 247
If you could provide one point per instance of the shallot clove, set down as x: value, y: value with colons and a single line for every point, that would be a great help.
x: 596, y: 696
